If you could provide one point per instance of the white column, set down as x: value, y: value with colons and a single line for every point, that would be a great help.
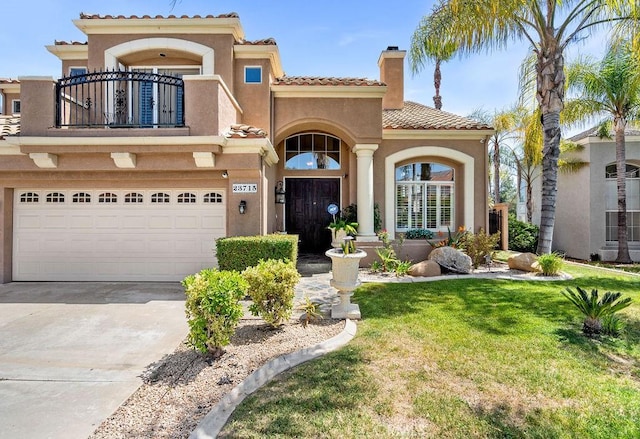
x: 364, y: 155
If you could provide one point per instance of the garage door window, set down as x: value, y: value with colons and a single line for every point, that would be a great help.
x: 107, y: 197
x: 29, y: 197
x: 213, y: 197
x: 160, y: 197
x: 186, y: 198
x: 81, y: 197
x: 55, y: 197
x: 133, y: 197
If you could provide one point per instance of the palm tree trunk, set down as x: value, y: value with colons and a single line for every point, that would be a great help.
x: 550, y: 95
x: 496, y: 170
x: 621, y: 170
x: 551, y: 152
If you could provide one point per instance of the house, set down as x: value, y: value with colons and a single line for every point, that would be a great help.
x: 165, y: 133
x: 587, y: 205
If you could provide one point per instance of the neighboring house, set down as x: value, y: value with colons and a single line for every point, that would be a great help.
x: 587, y: 207
x: 166, y: 133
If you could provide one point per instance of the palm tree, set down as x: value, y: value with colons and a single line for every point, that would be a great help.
x: 609, y: 91
x: 548, y: 26
x: 419, y: 53
x: 503, y: 122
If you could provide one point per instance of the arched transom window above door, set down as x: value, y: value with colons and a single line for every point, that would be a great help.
x: 311, y: 151
x: 424, y: 196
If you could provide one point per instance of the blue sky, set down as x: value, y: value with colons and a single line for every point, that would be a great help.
x: 328, y: 38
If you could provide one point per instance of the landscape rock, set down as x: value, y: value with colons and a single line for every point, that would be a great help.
x: 425, y: 269
x: 524, y: 262
x: 451, y: 259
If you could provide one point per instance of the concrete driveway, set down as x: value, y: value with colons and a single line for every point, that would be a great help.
x: 71, y: 353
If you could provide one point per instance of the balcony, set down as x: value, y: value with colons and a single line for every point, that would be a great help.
x: 120, y: 99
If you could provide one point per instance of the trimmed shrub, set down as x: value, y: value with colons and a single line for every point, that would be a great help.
x: 523, y: 237
x: 418, y: 234
x: 213, y: 308
x: 271, y: 287
x: 239, y: 252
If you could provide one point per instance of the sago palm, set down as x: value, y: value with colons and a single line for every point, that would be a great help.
x: 609, y: 92
x: 594, y: 308
x: 548, y: 26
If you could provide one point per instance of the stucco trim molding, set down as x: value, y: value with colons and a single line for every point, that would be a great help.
x: 269, y: 52
x: 176, y: 25
x: 117, y: 141
x: 70, y: 51
x: 124, y: 160
x: 44, y: 160
x: 112, y: 54
x: 204, y: 159
x: 400, y: 134
x: 263, y: 147
x: 434, y: 151
x: 328, y: 91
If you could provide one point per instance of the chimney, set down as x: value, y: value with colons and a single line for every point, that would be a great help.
x: 391, y: 64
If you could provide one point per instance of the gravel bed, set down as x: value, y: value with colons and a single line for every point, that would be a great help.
x: 180, y: 389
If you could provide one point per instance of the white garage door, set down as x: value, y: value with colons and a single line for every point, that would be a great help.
x: 115, y: 235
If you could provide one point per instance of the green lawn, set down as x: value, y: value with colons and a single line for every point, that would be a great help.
x: 459, y: 359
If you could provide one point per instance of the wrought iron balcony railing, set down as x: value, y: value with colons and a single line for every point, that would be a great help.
x: 120, y: 99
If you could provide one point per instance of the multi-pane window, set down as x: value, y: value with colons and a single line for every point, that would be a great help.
x: 212, y: 197
x: 29, y: 197
x: 160, y: 197
x: 81, y: 197
x: 133, y: 197
x: 55, y: 197
x: 107, y: 197
x: 186, y: 197
x: 312, y: 151
x: 632, y: 183
x: 424, y: 196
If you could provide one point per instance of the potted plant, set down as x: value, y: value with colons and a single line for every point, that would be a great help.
x: 341, y: 228
x: 345, y: 264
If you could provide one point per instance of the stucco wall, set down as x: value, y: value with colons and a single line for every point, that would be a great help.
x: 355, y: 120
x: 254, y: 99
x: 221, y: 44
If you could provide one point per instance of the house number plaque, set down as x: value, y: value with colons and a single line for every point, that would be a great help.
x: 245, y: 188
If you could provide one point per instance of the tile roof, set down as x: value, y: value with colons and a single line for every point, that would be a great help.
x: 9, y: 125
x: 84, y: 16
x: 263, y: 42
x: 70, y: 43
x: 238, y: 131
x: 9, y: 81
x: 593, y: 132
x: 317, y: 80
x: 414, y: 116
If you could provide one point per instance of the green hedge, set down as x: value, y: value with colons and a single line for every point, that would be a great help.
x: 239, y: 252
x: 523, y: 237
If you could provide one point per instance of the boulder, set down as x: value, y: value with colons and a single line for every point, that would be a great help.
x: 451, y: 259
x: 523, y: 262
x: 425, y: 269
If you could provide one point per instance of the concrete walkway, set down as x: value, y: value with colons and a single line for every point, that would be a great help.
x: 72, y: 353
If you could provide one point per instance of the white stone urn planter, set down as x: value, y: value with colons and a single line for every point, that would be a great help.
x: 344, y: 270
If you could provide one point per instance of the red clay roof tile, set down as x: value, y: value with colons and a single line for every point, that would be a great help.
x: 9, y: 125
x: 84, y: 16
x: 414, y: 116
x: 239, y: 131
x: 317, y: 80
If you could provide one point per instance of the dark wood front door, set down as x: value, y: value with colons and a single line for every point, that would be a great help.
x: 306, y: 211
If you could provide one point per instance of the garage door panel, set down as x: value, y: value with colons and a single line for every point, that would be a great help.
x: 106, y: 242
